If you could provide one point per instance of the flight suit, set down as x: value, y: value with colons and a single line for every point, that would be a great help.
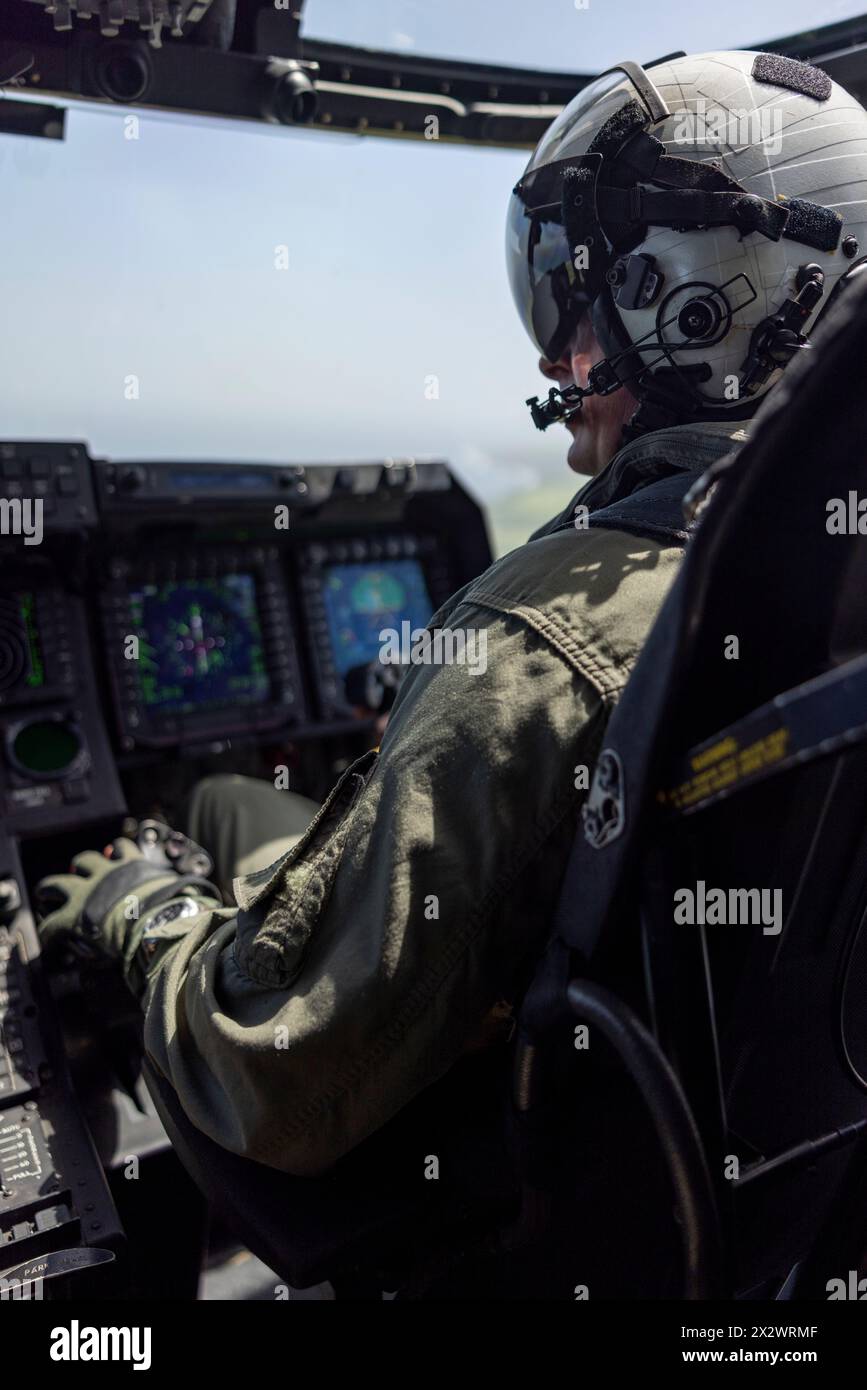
x: 402, y: 925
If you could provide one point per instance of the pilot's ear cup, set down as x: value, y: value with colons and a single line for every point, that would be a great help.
x: 853, y: 1005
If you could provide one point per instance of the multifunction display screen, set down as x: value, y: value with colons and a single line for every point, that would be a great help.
x: 200, y: 643
x: 21, y: 659
x: 363, y: 600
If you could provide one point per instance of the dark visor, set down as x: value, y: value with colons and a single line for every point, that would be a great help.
x: 550, y: 283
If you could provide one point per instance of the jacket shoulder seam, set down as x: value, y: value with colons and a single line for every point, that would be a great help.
x: 603, y: 675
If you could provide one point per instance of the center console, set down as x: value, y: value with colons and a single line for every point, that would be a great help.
x: 58, y: 1222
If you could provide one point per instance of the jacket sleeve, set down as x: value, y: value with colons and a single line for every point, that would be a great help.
x: 361, y: 964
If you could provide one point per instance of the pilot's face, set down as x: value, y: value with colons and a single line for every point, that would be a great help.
x: 596, y: 429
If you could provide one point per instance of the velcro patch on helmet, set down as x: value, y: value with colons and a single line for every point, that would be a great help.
x: 812, y: 224
x: 612, y: 133
x: 779, y: 71
x: 577, y: 203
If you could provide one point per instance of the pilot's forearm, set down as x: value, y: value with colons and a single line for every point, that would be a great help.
x: 358, y: 970
x: 161, y: 926
x: 121, y: 906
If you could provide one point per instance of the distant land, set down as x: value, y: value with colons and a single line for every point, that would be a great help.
x: 513, y: 519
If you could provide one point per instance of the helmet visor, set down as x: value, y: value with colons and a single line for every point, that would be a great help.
x: 572, y: 131
x: 556, y: 253
x: 550, y: 287
x: 549, y: 293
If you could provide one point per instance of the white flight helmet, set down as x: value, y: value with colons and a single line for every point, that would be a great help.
x: 704, y: 210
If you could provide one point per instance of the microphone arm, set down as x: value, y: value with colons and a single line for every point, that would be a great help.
x: 562, y: 406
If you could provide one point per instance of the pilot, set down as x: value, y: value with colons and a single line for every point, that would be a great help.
x: 674, y: 238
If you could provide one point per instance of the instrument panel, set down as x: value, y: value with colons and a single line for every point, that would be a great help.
x: 200, y: 645
x: 355, y: 589
x: 159, y: 622
x: 56, y: 761
x: 172, y: 605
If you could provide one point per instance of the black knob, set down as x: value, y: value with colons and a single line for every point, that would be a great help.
x: 783, y: 346
x: 131, y: 479
x: 293, y: 479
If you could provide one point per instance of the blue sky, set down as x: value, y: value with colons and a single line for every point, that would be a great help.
x: 155, y: 258
x: 561, y: 33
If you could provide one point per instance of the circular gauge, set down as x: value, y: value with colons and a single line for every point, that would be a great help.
x: 47, y: 748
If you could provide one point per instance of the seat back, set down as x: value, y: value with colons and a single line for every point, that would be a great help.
x: 736, y: 765
x: 748, y: 1047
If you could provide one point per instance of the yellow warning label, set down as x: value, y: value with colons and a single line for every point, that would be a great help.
x: 724, y: 765
x: 713, y: 754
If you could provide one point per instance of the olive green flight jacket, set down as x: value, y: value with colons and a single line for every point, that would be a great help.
x: 366, y: 960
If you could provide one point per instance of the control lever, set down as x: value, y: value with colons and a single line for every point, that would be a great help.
x: 24, y: 1280
x: 170, y: 849
x: 10, y: 897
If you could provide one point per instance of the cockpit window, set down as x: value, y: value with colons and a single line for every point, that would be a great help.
x: 584, y: 35
x: 191, y: 287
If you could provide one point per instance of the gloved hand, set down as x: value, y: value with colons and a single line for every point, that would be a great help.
x: 96, y: 909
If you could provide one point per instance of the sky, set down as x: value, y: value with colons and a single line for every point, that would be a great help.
x: 564, y: 34
x: 230, y: 291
